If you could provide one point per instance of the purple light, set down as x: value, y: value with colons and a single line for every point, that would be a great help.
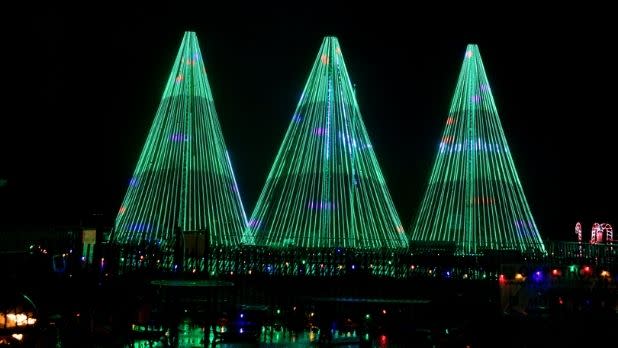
x: 178, y: 137
x: 319, y: 131
x: 476, y: 98
x: 484, y: 87
x: 255, y: 223
x: 353, y: 267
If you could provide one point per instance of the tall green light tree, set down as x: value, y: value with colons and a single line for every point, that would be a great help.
x: 326, y: 188
x: 474, y: 197
x: 184, y: 176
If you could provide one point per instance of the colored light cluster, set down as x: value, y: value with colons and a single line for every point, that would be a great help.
x: 539, y: 275
x: 184, y: 177
x: 474, y: 198
x: 325, y: 188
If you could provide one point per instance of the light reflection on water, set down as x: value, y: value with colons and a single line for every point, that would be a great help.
x: 194, y: 336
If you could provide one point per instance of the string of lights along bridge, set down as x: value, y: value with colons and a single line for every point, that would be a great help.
x: 474, y: 198
x: 184, y: 178
x: 325, y: 188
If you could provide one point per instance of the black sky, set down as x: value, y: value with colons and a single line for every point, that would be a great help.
x: 84, y: 89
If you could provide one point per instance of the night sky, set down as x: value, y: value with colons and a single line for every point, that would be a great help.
x: 83, y: 91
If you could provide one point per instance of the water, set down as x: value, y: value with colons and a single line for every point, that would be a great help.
x: 190, y: 335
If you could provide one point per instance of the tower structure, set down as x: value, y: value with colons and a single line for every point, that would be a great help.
x: 183, y: 180
x: 474, y: 198
x: 325, y: 188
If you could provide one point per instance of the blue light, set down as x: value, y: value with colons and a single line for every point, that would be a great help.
x: 538, y: 276
x: 139, y: 227
x: 178, y: 137
x: 133, y: 182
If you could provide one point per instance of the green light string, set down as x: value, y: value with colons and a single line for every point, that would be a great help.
x: 325, y: 188
x: 474, y: 197
x: 184, y: 176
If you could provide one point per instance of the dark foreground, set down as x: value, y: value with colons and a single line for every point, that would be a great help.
x: 89, y: 308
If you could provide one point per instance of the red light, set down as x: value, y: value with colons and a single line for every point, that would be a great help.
x: 560, y: 301
x: 384, y: 311
x: 449, y: 120
x: 555, y: 272
x: 324, y: 59
x: 501, y: 279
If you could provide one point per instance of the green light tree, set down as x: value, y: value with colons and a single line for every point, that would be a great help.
x: 474, y: 197
x: 325, y: 188
x: 184, y: 177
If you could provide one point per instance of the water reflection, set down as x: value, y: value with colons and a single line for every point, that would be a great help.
x: 191, y: 335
